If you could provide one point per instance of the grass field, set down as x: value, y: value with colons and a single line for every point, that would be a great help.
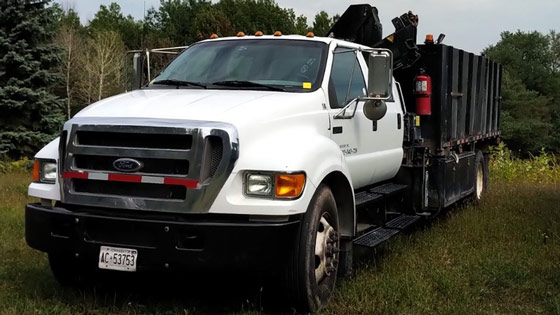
x: 502, y: 257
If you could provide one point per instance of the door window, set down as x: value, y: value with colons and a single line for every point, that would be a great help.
x: 347, y: 81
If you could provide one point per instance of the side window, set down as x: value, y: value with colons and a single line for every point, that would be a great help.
x: 347, y: 81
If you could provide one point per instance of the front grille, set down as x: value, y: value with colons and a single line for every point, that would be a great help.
x: 151, y: 166
x: 134, y: 140
x: 123, y: 189
x: 184, y: 164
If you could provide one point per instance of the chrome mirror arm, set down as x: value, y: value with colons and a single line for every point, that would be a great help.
x: 340, y: 114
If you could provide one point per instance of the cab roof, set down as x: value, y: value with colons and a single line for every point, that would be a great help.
x: 326, y: 40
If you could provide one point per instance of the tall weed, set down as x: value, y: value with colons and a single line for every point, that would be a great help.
x: 541, y: 169
x: 13, y: 166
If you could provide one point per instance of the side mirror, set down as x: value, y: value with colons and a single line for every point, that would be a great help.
x: 137, y: 63
x: 375, y: 110
x: 380, y: 83
x: 380, y: 79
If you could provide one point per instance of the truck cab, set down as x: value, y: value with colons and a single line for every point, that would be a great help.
x: 218, y: 161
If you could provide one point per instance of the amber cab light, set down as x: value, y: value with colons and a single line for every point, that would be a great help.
x: 429, y: 39
x: 259, y: 33
x: 214, y: 36
x: 277, y: 33
x: 36, y: 168
x: 289, y: 185
x: 240, y: 34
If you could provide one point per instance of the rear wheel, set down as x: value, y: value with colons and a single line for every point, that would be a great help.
x: 481, y: 177
x: 313, y: 265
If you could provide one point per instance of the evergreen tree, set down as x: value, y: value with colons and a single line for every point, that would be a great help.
x: 525, y: 117
x: 30, y: 115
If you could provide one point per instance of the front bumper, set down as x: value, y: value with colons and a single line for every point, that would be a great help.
x: 199, y: 242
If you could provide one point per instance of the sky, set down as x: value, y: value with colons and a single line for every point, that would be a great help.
x: 468, y: 24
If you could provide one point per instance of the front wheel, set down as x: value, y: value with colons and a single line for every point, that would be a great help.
x: 312, y: 269
x: 66, y: 269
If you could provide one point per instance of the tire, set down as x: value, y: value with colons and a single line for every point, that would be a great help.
x: 312, y: 270
x: 481, y: 177
x: 66, y: 269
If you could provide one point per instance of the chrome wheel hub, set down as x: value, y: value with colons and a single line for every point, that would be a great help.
x: 326, y: 250
x: 479, y: 181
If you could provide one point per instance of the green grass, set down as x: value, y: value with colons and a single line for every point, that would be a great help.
x: 502, y: 257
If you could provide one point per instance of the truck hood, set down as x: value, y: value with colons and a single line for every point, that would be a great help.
x: 231, y: 106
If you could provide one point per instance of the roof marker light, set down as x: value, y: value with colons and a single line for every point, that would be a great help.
x: 214, y: 36
x: 310, y: 34
x: 277, y: 33
x: 259, y: 33
x: 240, y: 34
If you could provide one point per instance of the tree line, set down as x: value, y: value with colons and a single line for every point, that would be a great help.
x: 52, y: 65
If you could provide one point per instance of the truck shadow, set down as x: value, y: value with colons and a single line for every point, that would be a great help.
x: 185, y: 293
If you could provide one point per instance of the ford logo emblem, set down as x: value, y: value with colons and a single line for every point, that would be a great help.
x: 127, y: 165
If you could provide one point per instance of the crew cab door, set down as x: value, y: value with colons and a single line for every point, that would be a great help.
x: 372, y: 149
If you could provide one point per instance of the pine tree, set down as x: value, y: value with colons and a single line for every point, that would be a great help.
x: 30, y: 115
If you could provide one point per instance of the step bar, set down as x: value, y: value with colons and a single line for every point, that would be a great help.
x: 378, y: 193
x: 380, y: 234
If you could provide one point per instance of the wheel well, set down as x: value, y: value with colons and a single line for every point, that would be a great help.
x: 342, y: 191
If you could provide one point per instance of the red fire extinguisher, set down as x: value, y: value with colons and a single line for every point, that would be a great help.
x: 423, y: 93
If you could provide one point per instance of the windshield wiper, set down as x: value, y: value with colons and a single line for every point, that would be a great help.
x: 237, y: 83
x: 179, y: 83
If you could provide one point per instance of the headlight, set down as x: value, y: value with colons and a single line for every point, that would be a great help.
x: 275, y: 185
x: 259, y: 185
x: 44, y: 171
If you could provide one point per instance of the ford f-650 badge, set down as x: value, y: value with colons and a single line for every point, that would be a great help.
x: 127, y: 165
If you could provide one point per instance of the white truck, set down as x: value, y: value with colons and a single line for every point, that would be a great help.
x: 271, y: 153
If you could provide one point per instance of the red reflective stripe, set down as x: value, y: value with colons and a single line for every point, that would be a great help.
x: 125, y: 178
x: 82, y: 175
x: 134, y: 179
x: 182, y: 182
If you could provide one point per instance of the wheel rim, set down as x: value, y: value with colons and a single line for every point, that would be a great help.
x: 326, y: 249
x: 479, y: 181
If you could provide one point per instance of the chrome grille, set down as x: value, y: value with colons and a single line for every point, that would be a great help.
x: 171, y: 152
x: 122, y: 137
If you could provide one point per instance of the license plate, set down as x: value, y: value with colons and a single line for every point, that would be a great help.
x: 116, y: 258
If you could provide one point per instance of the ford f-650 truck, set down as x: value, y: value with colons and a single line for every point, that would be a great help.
x: 272, y: 153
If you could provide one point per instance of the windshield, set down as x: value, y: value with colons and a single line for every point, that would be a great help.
x: 288, y: 65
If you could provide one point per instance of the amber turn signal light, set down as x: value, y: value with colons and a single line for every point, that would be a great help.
x: 289, y: 186
x: 36, y: 171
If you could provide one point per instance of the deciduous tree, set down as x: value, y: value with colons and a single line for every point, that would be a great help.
x: 102, y: 67
x: 531, y: 93
x: 70, y: 38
